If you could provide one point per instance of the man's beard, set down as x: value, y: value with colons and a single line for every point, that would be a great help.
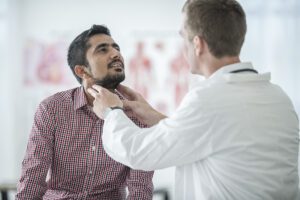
x: 110, y: 81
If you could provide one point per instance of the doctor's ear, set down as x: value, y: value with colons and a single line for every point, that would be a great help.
x: 198, y: 44
x: 82, y: 71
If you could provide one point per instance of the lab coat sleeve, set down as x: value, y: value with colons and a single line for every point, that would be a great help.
x: 183, y: 138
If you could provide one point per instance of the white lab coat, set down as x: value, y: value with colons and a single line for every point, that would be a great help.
x: 234, y: 137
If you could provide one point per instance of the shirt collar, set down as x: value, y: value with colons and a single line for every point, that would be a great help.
x: 228, y: 68
x: 223, y: 74
x: 79, y: 98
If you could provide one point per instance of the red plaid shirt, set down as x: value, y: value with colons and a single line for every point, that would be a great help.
x: 65, y: 142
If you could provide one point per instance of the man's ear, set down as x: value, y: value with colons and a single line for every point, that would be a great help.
x: 81, y: 71
x: 198, y: 45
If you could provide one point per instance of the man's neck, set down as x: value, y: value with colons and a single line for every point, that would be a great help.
x: 90, y: 98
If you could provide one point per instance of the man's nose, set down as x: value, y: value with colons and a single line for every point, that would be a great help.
x: 115, y: 54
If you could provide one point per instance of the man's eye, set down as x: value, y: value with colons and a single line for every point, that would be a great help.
x: 103, y: 50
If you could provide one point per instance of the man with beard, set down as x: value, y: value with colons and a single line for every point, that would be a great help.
x: 65, y: 141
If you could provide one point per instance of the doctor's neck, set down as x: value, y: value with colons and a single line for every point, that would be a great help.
x: 213, y: 64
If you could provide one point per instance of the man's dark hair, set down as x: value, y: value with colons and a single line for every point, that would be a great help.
x: 221, y: 23
x: 79, y: 46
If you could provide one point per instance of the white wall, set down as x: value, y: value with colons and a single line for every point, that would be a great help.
x: 272, y: 42
x: 9, y: 76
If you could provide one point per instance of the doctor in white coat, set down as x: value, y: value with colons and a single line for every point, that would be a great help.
x: 235, y: 135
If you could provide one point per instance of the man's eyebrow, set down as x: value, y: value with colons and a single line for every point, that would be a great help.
x: 106, y: 45
x: 101, y: 45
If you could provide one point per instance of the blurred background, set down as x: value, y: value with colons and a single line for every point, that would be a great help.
x: 35, y: 34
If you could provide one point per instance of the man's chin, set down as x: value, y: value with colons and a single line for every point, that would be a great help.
x: 110, y: 82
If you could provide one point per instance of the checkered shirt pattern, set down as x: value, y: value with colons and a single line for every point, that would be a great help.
x: 65, y: 146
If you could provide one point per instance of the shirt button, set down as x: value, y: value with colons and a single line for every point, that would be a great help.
x: 93, y: 148
x: 91, y: 172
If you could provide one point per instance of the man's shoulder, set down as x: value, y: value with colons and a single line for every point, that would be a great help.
x: 62, y: 97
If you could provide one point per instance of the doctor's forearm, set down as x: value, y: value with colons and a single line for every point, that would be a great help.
x: 154, y: 118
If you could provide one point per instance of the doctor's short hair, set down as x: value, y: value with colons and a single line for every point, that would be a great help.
x: 79, y: 46
x: 221, y: 23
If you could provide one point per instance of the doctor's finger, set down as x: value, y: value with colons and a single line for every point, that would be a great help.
x: 99, y: 88
x: 92, y: 92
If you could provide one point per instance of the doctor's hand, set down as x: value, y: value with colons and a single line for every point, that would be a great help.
x: 137, y: 106
x: 103, y: 99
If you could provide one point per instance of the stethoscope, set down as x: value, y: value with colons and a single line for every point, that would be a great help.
x: 244, y: 70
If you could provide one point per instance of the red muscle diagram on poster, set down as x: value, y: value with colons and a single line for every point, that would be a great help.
x: 140, y: 68
x: 179, y: 76
x: 157, y: 69
x: 45, y: 63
